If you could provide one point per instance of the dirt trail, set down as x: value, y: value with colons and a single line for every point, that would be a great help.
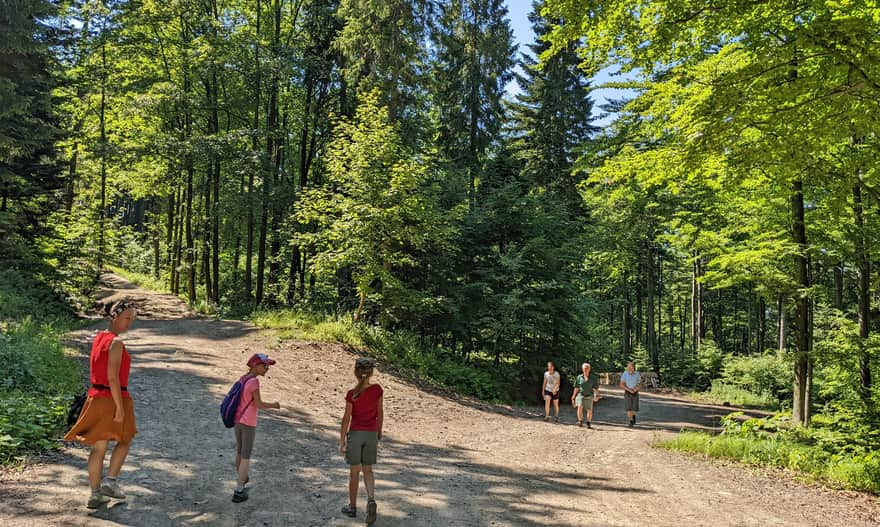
x: 443, y: 461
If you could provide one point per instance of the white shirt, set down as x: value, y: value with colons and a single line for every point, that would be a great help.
x: 552, y: 381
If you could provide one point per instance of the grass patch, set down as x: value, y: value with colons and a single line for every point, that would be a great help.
x: 144, y: 281
x: 765, y: 442
x: 39, y: 378
x: 721, y: 392
x: 477, y: 377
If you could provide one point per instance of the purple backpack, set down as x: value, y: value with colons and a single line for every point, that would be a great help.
x: 229, y: 406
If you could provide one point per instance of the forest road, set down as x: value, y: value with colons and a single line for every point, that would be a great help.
x: 443, y: 461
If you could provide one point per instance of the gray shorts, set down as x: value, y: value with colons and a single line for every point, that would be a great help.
x: 244, y: 439
x: 632, y: 401
x: 360, y: 447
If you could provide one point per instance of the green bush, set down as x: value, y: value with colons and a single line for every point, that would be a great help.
x: 821, y: 452
x: 722, y: 392
x: 38, y: 379
x: 479, y: 377
x: 769, y: 374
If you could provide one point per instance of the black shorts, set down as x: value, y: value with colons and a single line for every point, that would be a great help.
x: 553, y: 396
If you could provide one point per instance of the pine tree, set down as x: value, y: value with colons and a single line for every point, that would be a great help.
x: 29, y: 173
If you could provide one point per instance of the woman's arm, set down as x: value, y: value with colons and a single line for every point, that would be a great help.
x: 380, y: 416
x: 114, y: 364
x: 346, y: 421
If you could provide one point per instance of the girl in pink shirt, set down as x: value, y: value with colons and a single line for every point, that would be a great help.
x: 246, y: 420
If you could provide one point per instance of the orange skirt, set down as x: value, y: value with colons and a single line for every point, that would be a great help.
x: 96, y: 423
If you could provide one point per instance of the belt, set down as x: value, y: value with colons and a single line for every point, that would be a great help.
x: 102, y: 387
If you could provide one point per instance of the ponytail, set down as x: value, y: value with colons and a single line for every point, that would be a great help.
x: 363, y: 370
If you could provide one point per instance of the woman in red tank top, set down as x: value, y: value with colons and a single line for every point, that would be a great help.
x: 108, y: 414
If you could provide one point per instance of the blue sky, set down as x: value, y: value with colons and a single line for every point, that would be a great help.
x: 518, y: 12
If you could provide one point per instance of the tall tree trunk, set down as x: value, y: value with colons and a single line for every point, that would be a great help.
x: 780, y: 326
x: 650, y: 333
x: 863, y: 293
x: 255, y: 147
x: 102, y: 218
x: 627, y: 319
x: 696, y: 305
x: 802, y: 370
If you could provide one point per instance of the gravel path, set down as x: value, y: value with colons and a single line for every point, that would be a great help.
x: 444, y: 460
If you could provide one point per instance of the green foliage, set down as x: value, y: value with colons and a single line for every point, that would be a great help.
x: 399, y: 350
x: 721, y: 392
x: 822, y: 452
x: 38, y: 378
x: 769, y: 375
x: 142, y: 280
x: 30, y: 422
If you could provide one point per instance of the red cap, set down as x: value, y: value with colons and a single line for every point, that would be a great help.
x: 259, y: 358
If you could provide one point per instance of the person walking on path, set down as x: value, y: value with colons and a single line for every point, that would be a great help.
x: 586, y: 392
x: 246, y: 420
x: 550, y: 391
x: 360, y: 434
x: 108, y: 413
x: 630, y: 381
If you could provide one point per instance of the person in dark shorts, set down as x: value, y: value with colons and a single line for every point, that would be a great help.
x: 630, y: 381
x: 108, y: 413
x: 246, y: 421
x: 360, y: 434
x: 550, y: 390
x: 586, y: 392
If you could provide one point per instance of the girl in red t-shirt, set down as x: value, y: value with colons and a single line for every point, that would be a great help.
x: 108, y: 413
x: 360, y: 435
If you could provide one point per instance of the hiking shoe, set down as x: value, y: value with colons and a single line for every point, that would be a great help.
x: 96, y: 500
x: 556, y: 419
x: 588, y: 425
x: 239, y: 496
x: 634, y: 419
x: 349, y: 511
x: 371, y: 512
x: 110, y: 488
x: 546, y: 418
x: 580, y: 423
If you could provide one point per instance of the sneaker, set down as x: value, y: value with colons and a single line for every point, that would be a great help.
x: 546, y: 418
x: 580, y: 423
x: 349, y: 511
x: 239, y: 496
x: 110, y: 488
x: 371, y: 512
x: 556, y: 419
x: 96, y: 500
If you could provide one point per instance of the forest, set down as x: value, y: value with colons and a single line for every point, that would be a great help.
x: 362, y: 161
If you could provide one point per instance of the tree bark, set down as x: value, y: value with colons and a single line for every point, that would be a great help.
x: 863, y: 294
x: 802, y: 361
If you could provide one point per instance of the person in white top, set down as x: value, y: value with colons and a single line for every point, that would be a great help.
x: 630, y: 381
x: 550, y: 391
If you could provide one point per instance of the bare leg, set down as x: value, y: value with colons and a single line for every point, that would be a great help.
x: 589, y: 415
x: 96, y: 464
x: 353, y: 473
x: 546, y: 407
x: 117, y: 459
x: 580, y: 413
x: 369, y: 481
x: 556, y: 407
x: 243, y: 467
